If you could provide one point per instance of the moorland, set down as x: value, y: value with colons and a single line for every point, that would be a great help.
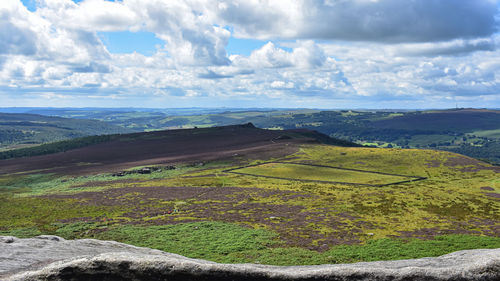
x: 472, y: 132
x: 243, y: 194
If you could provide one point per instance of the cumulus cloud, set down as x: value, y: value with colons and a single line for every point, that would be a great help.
x: 304, y: 54
x: 316, y: 52
x: 191, y: 37
x: 362, y: 20
x: 212, y: 75
x: 449, y: 48
x: 92, y: 67
x: 90, y: 15
x: 43, y: 38
x: 374, y: 72
x: 270, y: 56
x: 308, y: 54
x: 16, y: 35
x: 282, y: 85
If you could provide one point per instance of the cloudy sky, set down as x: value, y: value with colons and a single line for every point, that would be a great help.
x: 250, y: 53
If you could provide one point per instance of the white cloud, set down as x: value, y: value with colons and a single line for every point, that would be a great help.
x: 282, y: 85
x: 16, y: 35
x: 270, y: 56
x: 34, y: 35
x: 352, y: 51
x: 447, y: 48
x: 361, y: 20
x: 191, y: 36
x: 308, y: 54
x: 305, y: 54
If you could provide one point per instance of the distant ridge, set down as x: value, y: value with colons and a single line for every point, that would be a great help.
x: 21, y: 129
x: 101, y: 152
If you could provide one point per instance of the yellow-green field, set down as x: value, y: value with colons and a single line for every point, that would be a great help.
x: 317, y: 173
x: 206, y: 212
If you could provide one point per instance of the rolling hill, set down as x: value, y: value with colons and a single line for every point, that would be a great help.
x: 454, y: 120
x: 112, y: 152
x: 472, y: 132
x: 19, y: 130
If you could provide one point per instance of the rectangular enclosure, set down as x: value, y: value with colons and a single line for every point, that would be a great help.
x: 321, y: 173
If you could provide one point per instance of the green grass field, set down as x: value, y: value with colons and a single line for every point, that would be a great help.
x: 205, y: 212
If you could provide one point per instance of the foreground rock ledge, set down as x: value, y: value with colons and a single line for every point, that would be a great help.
x: 53, y: 258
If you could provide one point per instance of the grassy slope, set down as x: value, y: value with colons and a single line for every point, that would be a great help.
x: 270, y: 220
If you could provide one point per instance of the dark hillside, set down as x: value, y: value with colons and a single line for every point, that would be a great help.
x: 322, y: 138
x: 464, y: 120
x: 122, y: 151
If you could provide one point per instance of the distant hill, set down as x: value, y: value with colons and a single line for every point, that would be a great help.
x: 19, y: 130
x: 462, y: 120
x: 473, y: 132
x: 145, y: 119
x: 114, y: 152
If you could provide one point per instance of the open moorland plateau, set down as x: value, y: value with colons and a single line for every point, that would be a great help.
x: 239, y: 194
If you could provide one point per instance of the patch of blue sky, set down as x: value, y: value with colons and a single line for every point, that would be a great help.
x: 237, y: 46
x: 126, y: 42
x: 30, y: 4
x: 284, y: 47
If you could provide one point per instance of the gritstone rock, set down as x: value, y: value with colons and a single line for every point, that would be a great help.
x: 53, y: 258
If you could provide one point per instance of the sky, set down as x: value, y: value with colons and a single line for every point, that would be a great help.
x: 404, y: 54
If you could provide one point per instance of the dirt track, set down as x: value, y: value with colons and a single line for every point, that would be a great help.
x: 160, y: 148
